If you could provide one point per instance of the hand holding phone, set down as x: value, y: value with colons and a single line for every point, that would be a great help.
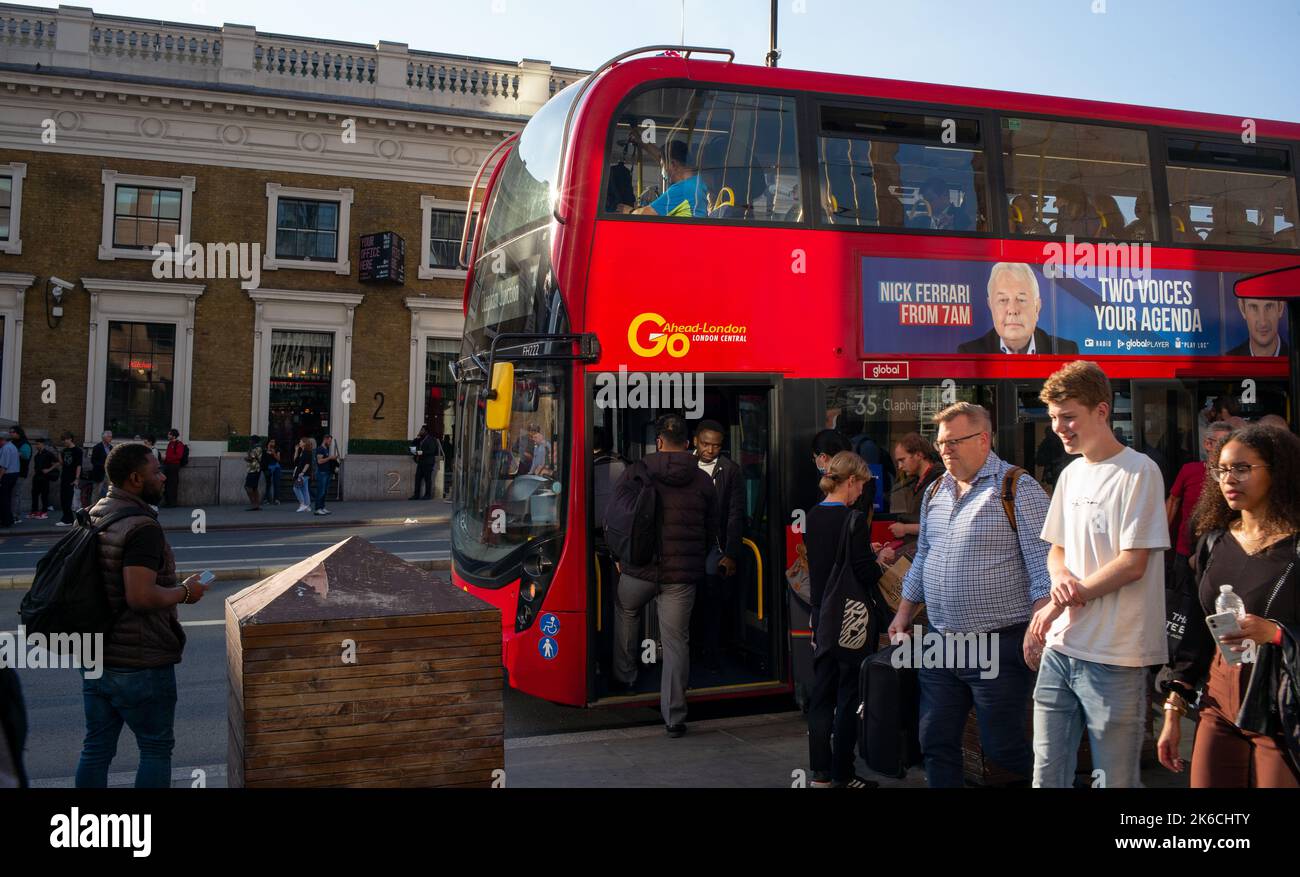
x: 1224, y: 624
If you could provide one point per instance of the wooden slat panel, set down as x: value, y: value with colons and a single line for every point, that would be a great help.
x: 334, y: 638
x: 323, y: 683
x: 359, y: 671
x: 342, y: 716
x: 331, y: 649
x: 371, y: 658
x: 417, y: 728
x: 252, y: 632
x: 254, y: 702
x: 428, y: 759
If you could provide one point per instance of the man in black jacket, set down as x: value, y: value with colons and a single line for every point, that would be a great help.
x: 728, y: 483
x: 688, y: 526
x: 427, y: 452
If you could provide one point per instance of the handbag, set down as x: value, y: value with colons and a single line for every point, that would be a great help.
x: 850, y: 604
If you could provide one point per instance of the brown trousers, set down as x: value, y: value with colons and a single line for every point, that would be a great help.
x: 1224, y: 756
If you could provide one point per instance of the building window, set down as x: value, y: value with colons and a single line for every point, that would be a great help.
x: 144, y: 216
x: 439, y: 386
x: 1088, y: 181
x: 140, y: 212
x: 444, y: 221
x: 141, y: 364
x: 11, y: 202
x: 302, y: 366
x: 307, y: 228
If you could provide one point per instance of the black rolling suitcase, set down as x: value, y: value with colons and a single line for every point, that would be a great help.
x: 889, y: 715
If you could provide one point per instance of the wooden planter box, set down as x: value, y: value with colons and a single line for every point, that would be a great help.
x: 354, y: 668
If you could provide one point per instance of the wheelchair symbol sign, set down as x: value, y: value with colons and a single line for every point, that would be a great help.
x: 550, y: 624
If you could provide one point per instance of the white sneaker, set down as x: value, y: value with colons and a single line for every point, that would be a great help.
x: 61, y: 524
x: 301, y: 508
x: 320, y: 512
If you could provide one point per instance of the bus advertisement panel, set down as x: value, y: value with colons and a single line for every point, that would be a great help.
x: 919, y: 306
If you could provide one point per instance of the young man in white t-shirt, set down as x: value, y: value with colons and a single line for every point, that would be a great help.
x: 1105, y: 623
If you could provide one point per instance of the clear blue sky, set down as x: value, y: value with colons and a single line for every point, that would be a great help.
x: 1238, y: 57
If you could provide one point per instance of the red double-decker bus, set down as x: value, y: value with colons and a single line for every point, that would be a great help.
x: 814, y: 251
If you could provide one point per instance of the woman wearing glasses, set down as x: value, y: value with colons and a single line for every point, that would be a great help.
x: 1248, y: 529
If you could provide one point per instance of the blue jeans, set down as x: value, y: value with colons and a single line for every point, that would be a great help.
x: 1108, y: 701
x: 145, y: 700
x: 322, y: 485
x: 302, y: 490
x: 1001, y: 704
x: 272, y: 476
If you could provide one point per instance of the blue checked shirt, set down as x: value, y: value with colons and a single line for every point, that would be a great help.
x: 972, y: 572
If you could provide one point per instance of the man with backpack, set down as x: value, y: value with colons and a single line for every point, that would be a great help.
x: 981, y: 571
x: 175, y: 456
x: 661, y: 522
x: 142, y: 647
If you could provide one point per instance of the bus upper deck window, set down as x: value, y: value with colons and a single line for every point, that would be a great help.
x: 1090, y: 181
x: 1231, y: 194
x: 889, y: 169
x: 703, y: 154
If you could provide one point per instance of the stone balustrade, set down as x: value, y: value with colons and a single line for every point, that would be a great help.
x: 74, y: 40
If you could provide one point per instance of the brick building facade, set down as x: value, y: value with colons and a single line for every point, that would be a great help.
x: 116, y: 134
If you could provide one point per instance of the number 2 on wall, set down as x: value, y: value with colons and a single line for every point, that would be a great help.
x: 377, y: 415
x: 392, y: 485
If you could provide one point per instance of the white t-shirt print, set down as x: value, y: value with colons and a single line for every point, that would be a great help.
x: 1097, y: 511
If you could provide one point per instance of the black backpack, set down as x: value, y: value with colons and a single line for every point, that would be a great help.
x: 632, y: 517
x: 67, y: 593
x: 185, y: 454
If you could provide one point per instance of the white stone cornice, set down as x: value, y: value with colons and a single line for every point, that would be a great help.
x: 220, y: 133
x: 16, y: 282
x: 347, y: 299
x: 428, y: 303
x: 96, y: 285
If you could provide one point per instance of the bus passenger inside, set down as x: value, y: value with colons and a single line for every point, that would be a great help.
x: 943, y: 214
x: 1110, y: 217
x: 684, y: 193
x: 1141, y: 228
x: 1024, y: 217
x: 1180, y: 220
x: 1233, y: 227
x: 1073, y: 215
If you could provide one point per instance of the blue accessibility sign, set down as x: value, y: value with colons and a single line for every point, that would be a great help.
x: 550, y: 624
x: 548, y: 647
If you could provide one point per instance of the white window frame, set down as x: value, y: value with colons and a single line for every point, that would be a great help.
x: 428, y: 203
x: 137, y: 301
x: 342, y: 197
x: 303, y: 310
x: 430, y: 318
x: 16, y: 171
x: 111, y: 180
x: 13, y: 292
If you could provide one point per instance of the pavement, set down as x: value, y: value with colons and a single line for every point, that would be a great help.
x: 768, y: 750
x: 418, y: 515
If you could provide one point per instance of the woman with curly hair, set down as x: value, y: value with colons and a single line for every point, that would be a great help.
x: 1248, y: 539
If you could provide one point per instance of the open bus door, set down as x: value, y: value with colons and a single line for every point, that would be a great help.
x: 737, y: 636
x: 1283, y: 285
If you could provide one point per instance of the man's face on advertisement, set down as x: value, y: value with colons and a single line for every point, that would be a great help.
x: 1262, y: 317
x: 1015, y: 310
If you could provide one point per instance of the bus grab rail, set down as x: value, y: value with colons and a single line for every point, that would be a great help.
x: 586, y: 83
x: 461, y: 256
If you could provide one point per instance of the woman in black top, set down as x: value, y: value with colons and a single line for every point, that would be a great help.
x: 303, y: 477
x: 1254, y: 510
x: 844, y: 627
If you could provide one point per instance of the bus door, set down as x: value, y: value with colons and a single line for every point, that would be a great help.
x: 736, y: 626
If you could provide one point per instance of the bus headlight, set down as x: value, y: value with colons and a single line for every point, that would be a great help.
x: 537, y: 569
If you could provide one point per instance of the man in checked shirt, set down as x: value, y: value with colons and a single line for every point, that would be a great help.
x: 977, y: 573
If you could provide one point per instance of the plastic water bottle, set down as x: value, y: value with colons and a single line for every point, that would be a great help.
x: 1228, y: 601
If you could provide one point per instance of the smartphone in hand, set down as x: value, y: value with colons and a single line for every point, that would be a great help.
x: 207, y: 577
x: 1223, y: 624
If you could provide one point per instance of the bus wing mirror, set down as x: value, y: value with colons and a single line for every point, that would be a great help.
x: 1283, y: 283
x: 501, y: 398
